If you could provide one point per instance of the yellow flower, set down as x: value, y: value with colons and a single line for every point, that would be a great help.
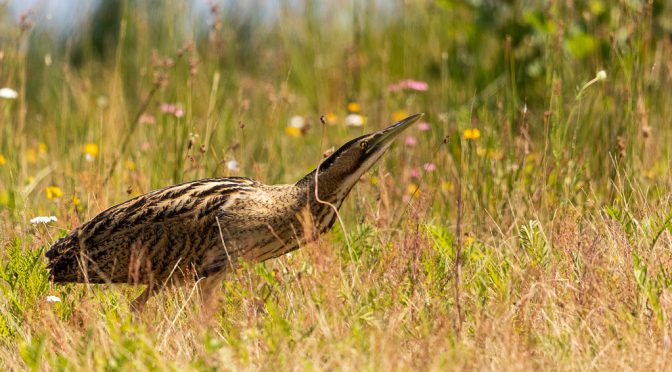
x: 130, y: 165
x: 4, y: 197
x: 330, y: 118
x: 413, y: 189
x: 90, y: 149
x: 75, y: 201
x: 472, y: 134
x: 374, y: 180
x: 3, y: 161
x: 354, y: 107
x: 446, y: 186
x: 399, y: 115
x: 31, y: 156
x: 469, y: 240
x: 53, y: 192
x: 293, y: 131
x: 42, y: 148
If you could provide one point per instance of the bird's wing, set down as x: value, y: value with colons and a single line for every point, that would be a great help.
x: 181, y: 206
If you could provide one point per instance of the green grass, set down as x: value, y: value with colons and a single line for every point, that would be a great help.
x: 558, y: 216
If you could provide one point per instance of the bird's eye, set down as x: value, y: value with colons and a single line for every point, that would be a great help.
x: 364, y: 145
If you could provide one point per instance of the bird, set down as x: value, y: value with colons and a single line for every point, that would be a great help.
x: 202, y: 229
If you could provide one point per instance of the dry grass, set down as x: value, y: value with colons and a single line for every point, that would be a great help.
x: 564, y: 231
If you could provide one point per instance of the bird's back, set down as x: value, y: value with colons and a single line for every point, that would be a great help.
x: 150, y: 236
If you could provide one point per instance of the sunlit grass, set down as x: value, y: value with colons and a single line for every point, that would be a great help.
x: 543, y: 160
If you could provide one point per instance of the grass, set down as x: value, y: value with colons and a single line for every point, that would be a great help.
x: 543, y: 242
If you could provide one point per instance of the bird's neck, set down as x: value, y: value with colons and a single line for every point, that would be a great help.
x: 323, y: 193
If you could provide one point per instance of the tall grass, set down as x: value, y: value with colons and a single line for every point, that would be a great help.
x: 557, y: 217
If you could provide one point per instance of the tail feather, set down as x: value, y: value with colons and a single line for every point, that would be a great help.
x: 62, y: 255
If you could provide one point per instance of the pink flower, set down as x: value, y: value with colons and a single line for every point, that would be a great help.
x: 414, y: 172
x: 168, y: 108
x: 145, y: 146
x: 410, y: 141
x: 423, y: 126
x: 417, y: 85
x: 429, y: 167
x: 147, y: 119
x: 179, y: 112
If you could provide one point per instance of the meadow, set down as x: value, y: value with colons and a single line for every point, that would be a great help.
x: 525, y: 224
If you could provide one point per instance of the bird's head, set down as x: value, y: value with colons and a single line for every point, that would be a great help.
x: 338, y: 173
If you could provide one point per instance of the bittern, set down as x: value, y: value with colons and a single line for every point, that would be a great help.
x: 203, y: 229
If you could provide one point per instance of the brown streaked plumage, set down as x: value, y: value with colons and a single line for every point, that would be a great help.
x: 203, y: 228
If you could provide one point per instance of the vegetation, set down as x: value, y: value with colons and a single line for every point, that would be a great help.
x: 525, y: 226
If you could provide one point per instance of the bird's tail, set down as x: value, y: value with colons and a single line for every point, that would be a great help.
x: 62, y: 258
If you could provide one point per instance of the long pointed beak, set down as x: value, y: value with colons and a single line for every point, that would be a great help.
x: 384, y: 137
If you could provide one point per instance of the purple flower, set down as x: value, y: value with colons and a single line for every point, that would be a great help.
x: 168, y: 108
x: 423, y: 126
x: 147, y: 119
x: 429, y: 167
x: 417, y: 85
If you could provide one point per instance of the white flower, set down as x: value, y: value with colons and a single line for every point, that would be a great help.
x: 89, y: 157
x: 297, y: 122
x: 43, y: 219
x: 355, y: 120
x: 53, y: 299
x: 8, y: 93
x: 601, y: 75
x: 232, y: 165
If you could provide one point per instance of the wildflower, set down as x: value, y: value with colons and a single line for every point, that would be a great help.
x: 130, y: 165
x: 293, y: 131
x: 469, y: 240
x: 42, y: 148
x: 43, y: 219
x: 8, y: 93
x: 179, y: 112
x: 168, y: 108
x: 53, y: 192
x: 423, y: 126
x: 601, y: 75
x: 414, y: 173
x: 145, y: 146
x: 410, y: 84
x: 147, y: 119
x: 297, y: 121
x: 330, y: 118
x: 410, y: 141
x: 3, y: 161
x: 90, y: 151
x: 53, y: 299
x: 446, y: 186
x: 472, y: 134
x: 102, y: 102
x: 374, y: 180
x: 399, y: 115
x: 4, y: 197
x: 232, y: 165
x: 75, y: 201
x: 31, y: 156
x: 413, y: 190
x: 355, y: 120
x: 354, y: 107
x: 429, y: 167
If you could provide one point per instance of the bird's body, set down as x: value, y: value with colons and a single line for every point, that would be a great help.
x: 206, y: 227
